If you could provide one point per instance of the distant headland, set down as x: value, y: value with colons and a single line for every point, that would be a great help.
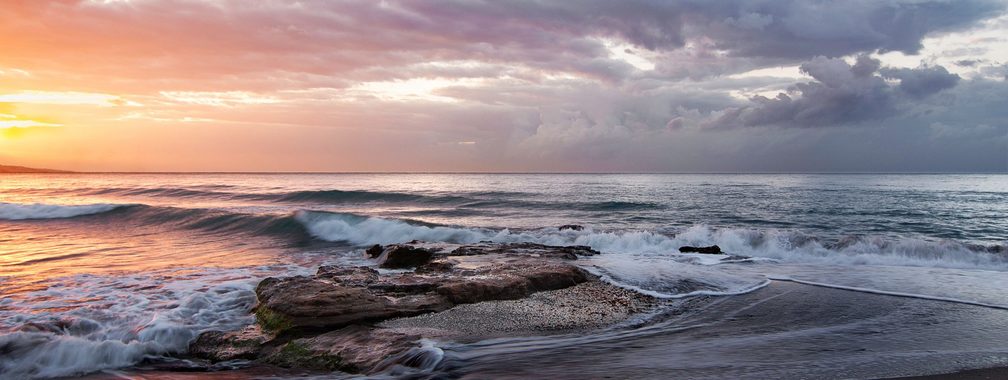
x: 9, y: 169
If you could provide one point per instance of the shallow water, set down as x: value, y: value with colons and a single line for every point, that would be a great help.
x: 785, y: 330
x: 101, y: 272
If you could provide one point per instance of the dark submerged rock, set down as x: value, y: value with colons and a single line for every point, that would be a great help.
x: 223, y: 346
x: 374, y: 251
x: 404, y: 256
x: 353, y: 349
x: 574, y: 227
x: 709, y: 250
x: 570, y: 252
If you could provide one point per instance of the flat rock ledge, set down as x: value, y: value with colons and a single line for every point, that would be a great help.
x: 361, y: 320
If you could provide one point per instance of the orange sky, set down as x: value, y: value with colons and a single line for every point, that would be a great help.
x: 174, y: 85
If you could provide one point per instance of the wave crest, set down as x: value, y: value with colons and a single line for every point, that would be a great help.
x: 17, y: 211
x: 784, y: 245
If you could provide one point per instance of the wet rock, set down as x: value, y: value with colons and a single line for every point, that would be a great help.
x: 994, y: 248
x: 360, y: 277
x: 570, y: 252
x: 303, y: 302
x: 353, y: 349
x: 579, y: 250
x: 222, y: 346
x: 404, y: 256
x: 709, y: 250
x: 340, y: 296
x: 326, y: 320
x: 573, y: 227
x: 374, y: 251
x: 512, y: 282
x: 435, y: 267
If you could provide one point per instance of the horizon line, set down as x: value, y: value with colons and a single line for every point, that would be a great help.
x: 504, y: 172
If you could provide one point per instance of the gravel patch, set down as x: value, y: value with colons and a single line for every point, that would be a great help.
x: 589, y: 305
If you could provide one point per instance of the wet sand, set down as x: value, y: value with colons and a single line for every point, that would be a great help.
x: 786, y: 331
x: 996, y: 373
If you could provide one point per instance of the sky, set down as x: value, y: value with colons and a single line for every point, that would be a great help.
x: 505, y: 86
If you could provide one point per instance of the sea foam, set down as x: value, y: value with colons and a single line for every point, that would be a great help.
x: 128, y: 319
x: 782, y: 245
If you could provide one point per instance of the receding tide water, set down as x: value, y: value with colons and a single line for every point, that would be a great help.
x: 850, y: 276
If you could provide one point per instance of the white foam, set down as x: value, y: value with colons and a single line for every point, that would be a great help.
x: 16, y: 211
x: 726, y: 292
x: 367, y: 231
x: 785, y: 246
x: 422, y: 359
x: 125, y: 320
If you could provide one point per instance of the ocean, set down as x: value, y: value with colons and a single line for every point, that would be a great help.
x: 837, y: 276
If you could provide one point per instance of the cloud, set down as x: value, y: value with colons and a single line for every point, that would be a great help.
x: 537, y: 84
x: 201, y: 46
x: 968, y: 62
x: 995, y: 71
x: 218, y: 98
x: 65, y: 98
x: 25, y: 124
x: 841, y: 94
x: 804, y: 29
x: 922, y: 81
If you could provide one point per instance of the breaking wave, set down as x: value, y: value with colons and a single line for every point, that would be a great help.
x: 211, y: 221
x: 783, y: 245
x: 139, y: 321
x: 303, y: 226
x: 281, y: 226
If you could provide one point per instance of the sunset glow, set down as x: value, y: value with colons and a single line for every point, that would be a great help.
x: 306, y: 86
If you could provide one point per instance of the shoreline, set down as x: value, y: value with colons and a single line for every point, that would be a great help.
x: 712, y: 323
x: 367, y: 320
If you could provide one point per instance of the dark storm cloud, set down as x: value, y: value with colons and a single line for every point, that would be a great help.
x: 841, y: 93
x: 761, y: 28
x: 923, y: 81
x: 803, y: 29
